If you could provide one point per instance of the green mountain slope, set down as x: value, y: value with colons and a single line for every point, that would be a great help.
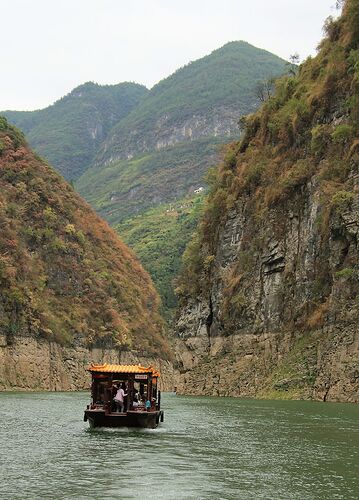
x: 125, y: 188
x: 65, y: 276
x: 269, y: 290
x: 204, y: 98
x: 69, y: 133
x: 130, y: 150
x: 162, y: 150
x: 159, y: 237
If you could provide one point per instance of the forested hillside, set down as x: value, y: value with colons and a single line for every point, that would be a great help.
x: 159, y: 237
x: 204, y: 98
x: 69, y: 133
x: 65, y: 276
x: 270, y: 291
x: 161, y: 152
x: 131, y: 151
x: 127, y: 188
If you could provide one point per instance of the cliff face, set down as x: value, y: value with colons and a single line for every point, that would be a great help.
x: 270, y: 289
x: 222, y: 122
x: 35, y: 364
x: 266, y: 329
x: 170, y: 129
x: 68, y: 285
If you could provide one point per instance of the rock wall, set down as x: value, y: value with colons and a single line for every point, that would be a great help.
x: 168, y: 131
x: 279, y: 318
x: 31, y: 364
x: 322, y: 366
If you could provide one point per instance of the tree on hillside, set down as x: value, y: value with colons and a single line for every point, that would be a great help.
x: 292, y: 64
x: 264, y: 89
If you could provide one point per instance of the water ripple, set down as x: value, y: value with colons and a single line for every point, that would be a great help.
x: 207, y: 448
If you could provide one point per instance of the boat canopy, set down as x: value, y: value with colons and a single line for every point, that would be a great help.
x: 107, y: 368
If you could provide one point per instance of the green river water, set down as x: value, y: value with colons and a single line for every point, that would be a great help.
x: 207, y: 448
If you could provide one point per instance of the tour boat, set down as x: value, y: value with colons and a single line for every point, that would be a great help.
x: 142, y: 401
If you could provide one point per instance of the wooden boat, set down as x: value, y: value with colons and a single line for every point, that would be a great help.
x: 141, y: 384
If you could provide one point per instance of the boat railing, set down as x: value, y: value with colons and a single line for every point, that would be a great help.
x: 96, y: 406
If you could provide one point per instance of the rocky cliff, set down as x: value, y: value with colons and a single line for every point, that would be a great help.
x: 170, y: 129
x: 35, y: 364
x: 270, y: 291
x: 70, y: 290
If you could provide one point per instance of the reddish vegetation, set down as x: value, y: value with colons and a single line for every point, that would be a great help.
x: 64, y: 274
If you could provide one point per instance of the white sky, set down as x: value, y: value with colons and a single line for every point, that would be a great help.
x: 48, y: 47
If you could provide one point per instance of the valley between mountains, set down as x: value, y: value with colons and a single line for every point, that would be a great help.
x: 241, y: 213
x: 132, y: 152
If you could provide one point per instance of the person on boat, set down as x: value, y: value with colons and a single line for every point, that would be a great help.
x: 120, y: 398
x: 115, y: 388
x: 135, y: 403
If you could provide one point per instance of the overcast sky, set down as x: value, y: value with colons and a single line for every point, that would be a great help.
x: 48, y: 47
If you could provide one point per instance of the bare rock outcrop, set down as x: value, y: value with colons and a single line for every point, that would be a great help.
x: 33, y: 365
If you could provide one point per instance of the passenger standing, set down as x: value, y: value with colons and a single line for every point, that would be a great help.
x: 120, y: 397
x: 136, y: 399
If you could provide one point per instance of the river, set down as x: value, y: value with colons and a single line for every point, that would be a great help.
x: 207, y: 448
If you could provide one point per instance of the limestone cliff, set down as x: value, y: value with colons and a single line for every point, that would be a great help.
x: 168, y: 130
x: 270, y: 290
x: 34, y: 364
x: 69, y: 288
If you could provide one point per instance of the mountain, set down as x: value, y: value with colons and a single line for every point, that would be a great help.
x: 204, y: 98
x: 160, y: 152
x: 127, y: 188
x: 269, y: 292
x: 131, y: 151
x: 70, y: 290
x: 69, y: 133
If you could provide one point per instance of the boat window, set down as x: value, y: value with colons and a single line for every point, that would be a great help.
x: 100, y: 392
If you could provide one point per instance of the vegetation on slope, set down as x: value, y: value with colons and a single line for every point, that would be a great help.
x: 69, y: 133
x: 159, y: 237
x: 119, y: 188
x: 135, y: 196
x: 225, y: 78
x: 64, y: 274
x: 127, y: 188
x: 306, y: 132
x: 216, y: 89
x: 220, y: 86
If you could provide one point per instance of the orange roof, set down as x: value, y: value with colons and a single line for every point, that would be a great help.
x: 106, y: 368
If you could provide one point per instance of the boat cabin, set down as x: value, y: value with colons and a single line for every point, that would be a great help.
x: 137, y: 405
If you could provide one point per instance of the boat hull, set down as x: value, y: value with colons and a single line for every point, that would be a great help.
x: 139, y: 419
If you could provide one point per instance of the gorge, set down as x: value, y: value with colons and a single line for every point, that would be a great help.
x: 268, y: 294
